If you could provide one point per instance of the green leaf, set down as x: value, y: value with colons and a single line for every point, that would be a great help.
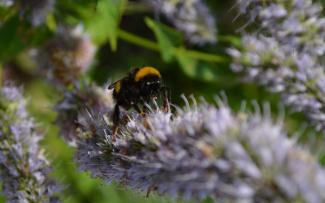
x: 105, y: 22
x: 170, y: 42
x: 72, y: 11
x: 194, y: 68
x: 233, y: 40
x: 208, y: 200
x: 16, y: 35
x: 167, y: 38
x: 11, y: 44
x: 187, y: 64
x: 51, y: 22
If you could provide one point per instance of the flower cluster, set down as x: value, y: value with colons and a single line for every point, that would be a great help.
x: 292, y: 23
x: 201, y: 151
x: 285, y: 54
x: 89, y: 96
x: 67, y: 55
x: 192, y: 17
x: 35, y: 11
x: 6, y: 3
x: 23, y: 168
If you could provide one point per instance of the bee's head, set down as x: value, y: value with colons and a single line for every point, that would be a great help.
x: 149, y: 80
x: 150, y: 86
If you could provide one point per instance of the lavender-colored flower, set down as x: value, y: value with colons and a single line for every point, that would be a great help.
x: 192, y: 17
x: 35, y: 11
x: 295, y: 23
x: 92, y: 96
x: 68, y: 55
x: 201, y: 151
x: 6, y: 3
x: 23, y: 167
x: 285, y: 54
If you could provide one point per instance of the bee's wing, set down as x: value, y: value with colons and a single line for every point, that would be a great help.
x: 112, y: 86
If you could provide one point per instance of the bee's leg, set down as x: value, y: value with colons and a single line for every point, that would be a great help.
x: 116, y: 120
x: 138, y: 109
x: 142, y: 112
x: 166, y: 99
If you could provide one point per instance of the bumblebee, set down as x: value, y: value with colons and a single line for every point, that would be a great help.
x: 140, y: 86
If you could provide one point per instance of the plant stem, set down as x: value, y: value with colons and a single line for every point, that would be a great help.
x: 204, y: 56
x: 134, y: 39
x: 136, y: 7
x: 143, y: 42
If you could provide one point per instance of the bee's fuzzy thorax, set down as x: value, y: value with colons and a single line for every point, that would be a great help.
x: 117, y: 87
x: 145, y: 71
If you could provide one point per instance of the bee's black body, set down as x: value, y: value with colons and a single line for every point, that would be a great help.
x: 140, y: 86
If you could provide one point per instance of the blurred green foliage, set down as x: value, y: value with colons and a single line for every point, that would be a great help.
x: 105, y: 21
x: 127, y: 34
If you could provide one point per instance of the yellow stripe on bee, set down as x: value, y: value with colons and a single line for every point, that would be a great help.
x: 143, y: 72
x: 117, y: 87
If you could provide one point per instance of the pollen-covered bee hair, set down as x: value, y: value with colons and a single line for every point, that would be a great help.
x: 136, y: 89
